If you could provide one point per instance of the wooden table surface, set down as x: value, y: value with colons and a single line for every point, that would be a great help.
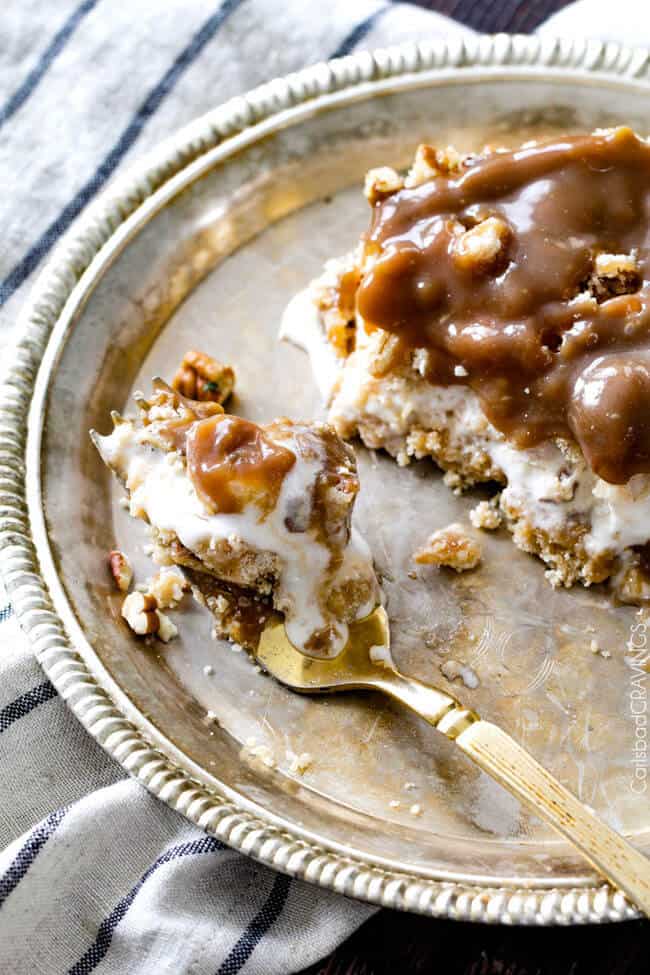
x: 403, y: 944
x: 391, y: 943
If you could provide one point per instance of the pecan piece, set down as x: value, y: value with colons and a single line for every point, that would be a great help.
x: 381, y: 183
x: 121, y: 569
x: 482, y: 248
x: 140, y: 610
x: 200, y: 377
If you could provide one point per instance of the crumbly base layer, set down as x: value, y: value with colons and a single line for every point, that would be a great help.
x: 240, y: 611
x: 239, y: 614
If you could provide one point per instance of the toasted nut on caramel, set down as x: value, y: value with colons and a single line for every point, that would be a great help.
x: 482, y: 248
x: 615, y: 274
x: 120, y: 569
x: 430, y: 162
x: 201, y: 377
x: 380, y: 183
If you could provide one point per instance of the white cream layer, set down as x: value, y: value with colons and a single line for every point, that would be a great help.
x: 162, y: 493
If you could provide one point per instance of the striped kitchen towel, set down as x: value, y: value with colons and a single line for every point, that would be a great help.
x: 95, y: 874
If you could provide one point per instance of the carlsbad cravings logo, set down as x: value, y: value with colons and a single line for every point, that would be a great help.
x: 638, y: 656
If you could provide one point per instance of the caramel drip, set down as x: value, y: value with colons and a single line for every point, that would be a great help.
x: 232, y: 464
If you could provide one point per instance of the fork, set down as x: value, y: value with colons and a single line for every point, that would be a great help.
x: 365, y: 664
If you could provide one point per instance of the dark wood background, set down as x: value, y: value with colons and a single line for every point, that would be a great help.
x: 391, y: 943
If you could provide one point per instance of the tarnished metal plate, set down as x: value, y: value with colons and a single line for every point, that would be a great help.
x: 211, y: 264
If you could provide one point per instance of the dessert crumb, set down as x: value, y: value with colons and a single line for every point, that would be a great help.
x: 485, y: 516
x: 452, y: 547
x: 167, y: 587
x: 409, y: 786
x: 453, y: 670
x: 595, y: 648
x: 394, y: 804
x: 555, y: 578
x: 416, y: 809
x: 380, y: 655
x: 261, y: 751
x: 208, y: 670
x: 298, y: 764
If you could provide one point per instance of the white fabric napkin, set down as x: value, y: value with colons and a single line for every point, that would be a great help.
x: 96, y: 875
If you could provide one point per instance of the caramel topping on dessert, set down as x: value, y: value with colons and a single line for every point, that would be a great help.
x: 232, y: 463
x: 526, y: 276
x: 178, y: 414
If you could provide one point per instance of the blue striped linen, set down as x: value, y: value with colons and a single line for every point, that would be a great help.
x: 95, y: 874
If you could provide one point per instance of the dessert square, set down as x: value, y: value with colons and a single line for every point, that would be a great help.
x: 495, y: 317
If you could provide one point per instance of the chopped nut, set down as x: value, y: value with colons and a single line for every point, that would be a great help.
x: 483, y: 247
x: 609, y: 265
x: 200, y: 377
x: 430, y: 162
x: 167, y: 629
x: 614, y: 274
x: 120, y: 569
x: 452, y: 547
x: 167, y: 587
x: 486, y: 516
x: 141, y: 612
x: 386, y: 351
x: 380, y: 183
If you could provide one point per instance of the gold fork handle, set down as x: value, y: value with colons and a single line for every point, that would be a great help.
x: 511, y: 765
x: 496, y: 753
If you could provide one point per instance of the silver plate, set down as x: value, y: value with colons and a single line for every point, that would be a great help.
x: 203, y: 244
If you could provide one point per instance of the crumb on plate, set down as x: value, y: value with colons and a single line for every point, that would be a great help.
x: 452, y: 547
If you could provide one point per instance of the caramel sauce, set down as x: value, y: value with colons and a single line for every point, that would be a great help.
x: 231, y: 464
x: 174, y: 430
x: 546, y: 357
